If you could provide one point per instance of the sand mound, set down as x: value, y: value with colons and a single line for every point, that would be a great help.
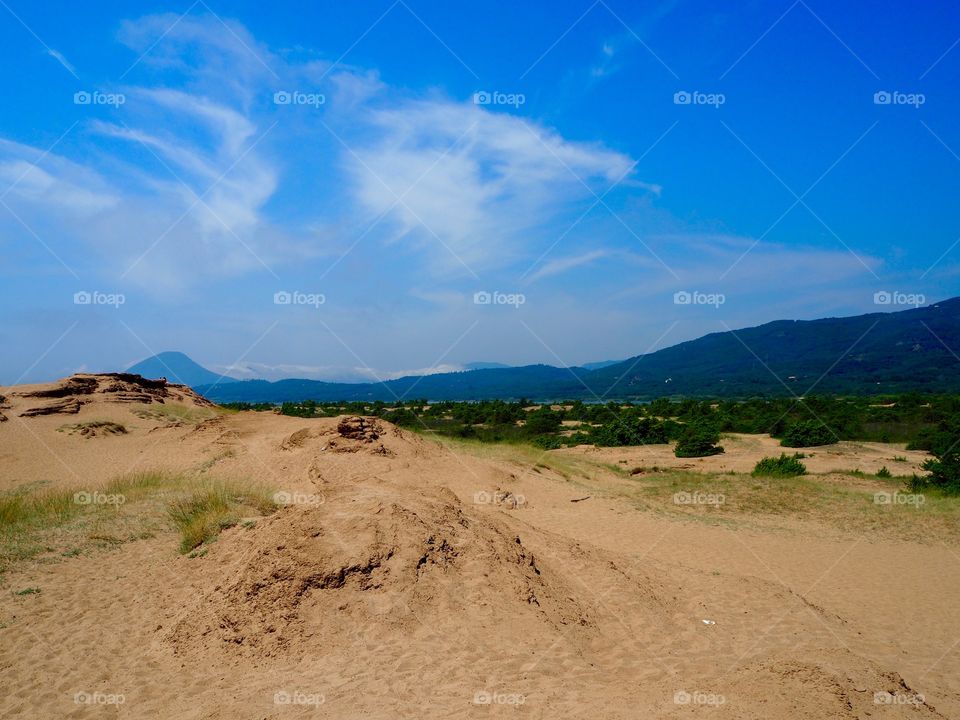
x: 67, y: 396
x: 834, y: 684
x: 354, y: 434
x: 354, y: 564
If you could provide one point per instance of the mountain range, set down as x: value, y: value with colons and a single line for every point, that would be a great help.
x: 865, y: 354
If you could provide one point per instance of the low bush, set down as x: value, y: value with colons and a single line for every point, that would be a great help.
x: 402, y: 417
x: 808, y: 433
x: 783, y: 466
x: 548, y: 442
x: 698, y: 439
x: 944, y: 469
x: 622, y: 432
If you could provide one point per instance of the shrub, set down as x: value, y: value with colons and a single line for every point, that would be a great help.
x: 783, y: 466
x: 884, y: 472
x: 698, y: 440
x: 542, y: 422
x: 622, y: 432
x: 808, y: 433
x: 402, y: 417
x: 548, y: 442
x: 944, y: 469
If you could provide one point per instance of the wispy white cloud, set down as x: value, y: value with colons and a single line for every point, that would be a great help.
x: 561, y: 265
x: 58, y: 56
x: 470, y: 186
x: 265, y: 371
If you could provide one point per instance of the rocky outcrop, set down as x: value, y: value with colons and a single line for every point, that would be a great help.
x: 71, y: 393
x: 360, y: 428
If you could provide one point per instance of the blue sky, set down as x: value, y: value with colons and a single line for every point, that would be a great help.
x: 186, y: 164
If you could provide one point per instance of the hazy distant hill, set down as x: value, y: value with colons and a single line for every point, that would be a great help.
x: 485, y: 366
x: 177, y: 367
x: 600, y: 364
x: 866, y: 354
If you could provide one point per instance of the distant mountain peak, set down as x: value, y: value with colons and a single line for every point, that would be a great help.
x: 177, y: 367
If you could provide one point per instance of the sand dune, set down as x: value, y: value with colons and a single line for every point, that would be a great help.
x: 407, y: 578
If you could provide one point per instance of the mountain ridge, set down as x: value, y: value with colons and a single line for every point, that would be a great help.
x: 872, y: 353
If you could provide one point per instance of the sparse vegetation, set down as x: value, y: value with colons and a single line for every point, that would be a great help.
x: 205, y: 512
x: 783, y: 466
x: 63, y: 522
x: 172, y: 414
x: 94, y: 428
x: 919, y: 420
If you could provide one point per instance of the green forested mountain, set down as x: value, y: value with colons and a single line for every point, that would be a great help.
x: 866, y: 354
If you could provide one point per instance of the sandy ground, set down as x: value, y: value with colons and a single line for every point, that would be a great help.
x: 741, y: 453
x: 406, y: 580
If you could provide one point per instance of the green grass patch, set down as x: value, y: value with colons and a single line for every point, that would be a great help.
x: 204, y: 513
x: 50, y: 524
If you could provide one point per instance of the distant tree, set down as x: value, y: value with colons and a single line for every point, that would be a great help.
x: 625, y: 431
x: 944, y: 466
x: 542, y: 422
x: 402, y: 417
x: 808, y: 433
x: 698, y: 439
